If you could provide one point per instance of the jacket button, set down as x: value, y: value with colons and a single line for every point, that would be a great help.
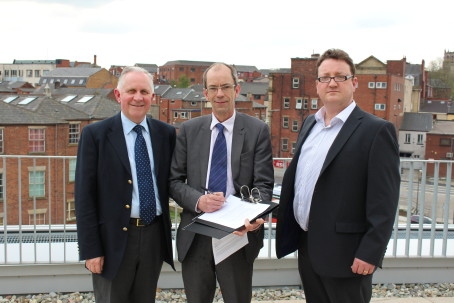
x: 125, y: 229
x: 127, y: 206
x: 130, y: 181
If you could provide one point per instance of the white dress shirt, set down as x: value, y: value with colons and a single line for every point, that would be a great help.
x: 311, y: 159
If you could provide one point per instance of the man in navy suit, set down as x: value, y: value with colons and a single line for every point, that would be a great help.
x: 340, y: 192
x: 124, y: 253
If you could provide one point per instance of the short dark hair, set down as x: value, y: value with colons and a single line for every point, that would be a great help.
x: 232, y: 71
x: 338, y: 54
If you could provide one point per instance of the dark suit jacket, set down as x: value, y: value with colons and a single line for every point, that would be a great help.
x: 355, y: 198
x: 252, y: 165
x: 103, y: 189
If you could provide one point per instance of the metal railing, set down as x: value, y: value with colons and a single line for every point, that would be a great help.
x: 38, y: 223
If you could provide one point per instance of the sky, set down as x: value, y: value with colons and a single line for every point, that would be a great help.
x: 261, y: 33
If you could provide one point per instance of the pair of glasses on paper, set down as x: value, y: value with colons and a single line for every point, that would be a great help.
x: 250, y: 195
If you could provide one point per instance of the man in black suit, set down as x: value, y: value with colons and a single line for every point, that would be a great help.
x: 248, y: 161
x: 122, y: 249
x: 340, y: 192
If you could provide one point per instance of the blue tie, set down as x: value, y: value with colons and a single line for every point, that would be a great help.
x: 218, y: 169
x: 145, y: 178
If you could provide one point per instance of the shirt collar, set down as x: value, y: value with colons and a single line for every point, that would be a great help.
x: 342, y: 116
x: 128, y: 125
x: 228, y: 124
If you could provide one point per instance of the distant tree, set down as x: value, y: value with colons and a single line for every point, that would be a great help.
x: 183, y: 82
x: 444, y: 73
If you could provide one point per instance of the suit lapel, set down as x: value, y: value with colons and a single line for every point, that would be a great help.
x: 203, y: 141
x: 117, y: 139
x: 353, y: 121
x: 237, y: 145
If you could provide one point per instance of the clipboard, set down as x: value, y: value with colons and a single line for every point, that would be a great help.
x: 215, y: 228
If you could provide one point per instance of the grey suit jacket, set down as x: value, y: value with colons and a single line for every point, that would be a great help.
x: 252, y: 165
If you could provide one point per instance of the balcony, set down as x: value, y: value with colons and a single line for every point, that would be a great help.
x: 38, y: 241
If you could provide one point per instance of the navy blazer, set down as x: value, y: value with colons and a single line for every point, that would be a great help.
x: 103, y: 189
x: 355, y: 197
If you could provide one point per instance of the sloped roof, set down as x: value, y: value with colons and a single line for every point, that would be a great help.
x: 245, y: 68
x: 443, y: 128
x: 14, y: 115
x: 187, y: 62
x: 436, y: 107
x: 255, y: 88
x: 421, y: 122
x: 161, y: 89
x: 176, y: 93
x: 195, y: 96
x: 72, y: 72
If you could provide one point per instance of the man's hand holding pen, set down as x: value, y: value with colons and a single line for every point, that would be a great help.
x: 211, y: 202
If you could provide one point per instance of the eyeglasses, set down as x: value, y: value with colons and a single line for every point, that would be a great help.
x: 225, y: 88
x: 327, y: 79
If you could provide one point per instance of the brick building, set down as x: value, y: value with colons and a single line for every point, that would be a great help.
x: 381, y: 91
x: 35, y: 189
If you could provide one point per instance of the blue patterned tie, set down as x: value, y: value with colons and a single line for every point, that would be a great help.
x: 218, y: 169
x: 144, y: 178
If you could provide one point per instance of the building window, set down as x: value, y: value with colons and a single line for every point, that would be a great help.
x: 181, y: 69
x: 294, y: 125
x: 371, y: 85
x: 1, y: 141
x: 380, y: 106
x: 286, y: 103
x: 305, y: 104
x: 175, y: 115
x: 6, y: 72
x: 299, y: 103
x: 314, y: 104
x: 193, y: 103
x: 192, y: 69
x: 72, y: 170
x: 293, y: 148
x: 284, y: 144
x: 284, y: 122
x: 37, y: 73
x: 420, y: 139
x: 295, y: 82
x: 184, y: 115
x: 36, y: 183
x: 29, y: 73
x: 37, y: 216
x: 74, y: 133
x: 445, y: 142
x: 381, y: 84
x: 407, y: 138
x: 1, y: 187
x: 37, y: 140
x: 70, y: 210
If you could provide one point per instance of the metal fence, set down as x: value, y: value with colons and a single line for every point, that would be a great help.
x: 38, y: 241
x: 38, y: 221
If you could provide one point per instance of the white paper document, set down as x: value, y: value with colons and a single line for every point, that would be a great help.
x: 234, y: 212
x: 222, y: 248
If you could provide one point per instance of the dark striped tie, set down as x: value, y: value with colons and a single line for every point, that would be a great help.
x: 144, y: 178
x: 218, y: 169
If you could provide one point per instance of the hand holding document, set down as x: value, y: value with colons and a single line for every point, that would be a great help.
x: 229, y: 217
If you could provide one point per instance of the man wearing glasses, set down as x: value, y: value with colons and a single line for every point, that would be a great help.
x: 340, y: 192
x: 198, y: 187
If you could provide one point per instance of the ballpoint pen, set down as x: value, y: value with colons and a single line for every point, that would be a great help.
x: 207, y: 190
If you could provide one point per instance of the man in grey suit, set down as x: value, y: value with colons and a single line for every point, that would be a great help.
x: 249, y: 162
x: 340, y: 192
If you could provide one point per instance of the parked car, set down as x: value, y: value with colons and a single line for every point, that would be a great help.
x: 417, y: 218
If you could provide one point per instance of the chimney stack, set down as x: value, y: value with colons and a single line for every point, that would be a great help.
x: 94, y: 59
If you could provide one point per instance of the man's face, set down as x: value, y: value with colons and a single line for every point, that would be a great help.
x: 135, y: 96
x: 335, y: 95
x: 221, y: 91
